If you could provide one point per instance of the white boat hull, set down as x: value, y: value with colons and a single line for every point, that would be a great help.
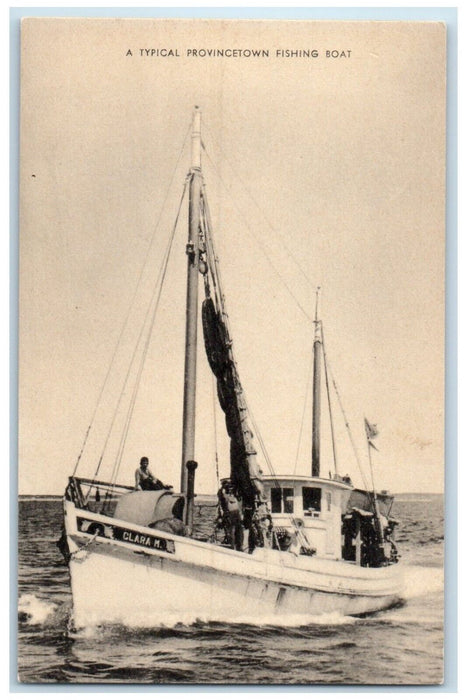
x: 130, y: 582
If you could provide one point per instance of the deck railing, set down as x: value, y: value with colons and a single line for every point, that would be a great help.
x: 95, y: 496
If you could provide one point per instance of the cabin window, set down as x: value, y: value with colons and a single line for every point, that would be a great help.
x: 282, y: 500
x: 311, y: 498
x: 287, y: 496
x: 328, y: 500
x: 276, y: 500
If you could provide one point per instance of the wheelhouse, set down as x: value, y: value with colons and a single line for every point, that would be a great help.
x: 311, y: 505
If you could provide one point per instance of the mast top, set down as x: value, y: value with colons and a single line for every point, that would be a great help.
x: 317, y: 321
x: 196, y: 139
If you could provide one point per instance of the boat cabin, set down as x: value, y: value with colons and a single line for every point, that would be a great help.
x: 311, y: 505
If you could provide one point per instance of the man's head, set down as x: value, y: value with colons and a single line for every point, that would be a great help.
x: 144, y: 462
x: 226, y: 485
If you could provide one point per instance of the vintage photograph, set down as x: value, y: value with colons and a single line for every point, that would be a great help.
x: 231, y: 352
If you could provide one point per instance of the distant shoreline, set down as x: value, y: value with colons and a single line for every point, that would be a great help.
x: 209, y: 496
x: 58, y: 497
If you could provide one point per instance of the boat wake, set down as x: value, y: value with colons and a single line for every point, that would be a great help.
x: 422, y: 580
x: 160, y: 623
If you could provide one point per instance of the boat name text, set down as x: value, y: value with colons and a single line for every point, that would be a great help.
x: 113, y: 532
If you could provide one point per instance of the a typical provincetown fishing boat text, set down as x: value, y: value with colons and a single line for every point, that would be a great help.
x: 280, y: 544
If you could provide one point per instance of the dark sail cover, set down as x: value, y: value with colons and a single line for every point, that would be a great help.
x: 244, y: 471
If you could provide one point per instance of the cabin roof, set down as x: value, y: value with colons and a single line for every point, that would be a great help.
x: 313, y: 480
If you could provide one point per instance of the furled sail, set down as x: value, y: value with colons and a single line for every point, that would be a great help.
x: 244, y: 472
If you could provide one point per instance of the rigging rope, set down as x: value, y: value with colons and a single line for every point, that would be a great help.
x: 213, y: 260
x: 273, y: 229
x: 331, y: 421
x: 257, y: 431
x: 258, y: 241
x: 291, y: 294
x: 127, y: 317
x: 307, y: 390
x: 299, y: 306
x: 216, y: 451
x: 215, y: 272
x: 357, y: 459
x: 371, y: 471
x: 156, y: 293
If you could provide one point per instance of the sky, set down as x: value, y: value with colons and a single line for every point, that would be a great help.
x: 320, y: 171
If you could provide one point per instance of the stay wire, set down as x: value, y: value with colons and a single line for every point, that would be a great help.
x: 249, y: 193
x: 371, y: 469
x: 130, y: 306
x: 154, y: 304
x: 216, y: 447
x: 158, y: 285
x: 212, y: 253
x: 215, y: 271
x: 292, y: 519
x: 349, y: 432
x: 258, y: 240
x: 225, y: 315
x: 328, y: 393
x: 213, y: 263
x: 307, y: 391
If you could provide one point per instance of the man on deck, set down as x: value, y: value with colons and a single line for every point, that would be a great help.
x: 231, y: 514
x: 145, y: 480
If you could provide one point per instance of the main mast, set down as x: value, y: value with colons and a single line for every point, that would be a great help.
x: 191, y: 327
x: 315, y: 440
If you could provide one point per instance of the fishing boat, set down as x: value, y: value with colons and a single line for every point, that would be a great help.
x: 281, y: 544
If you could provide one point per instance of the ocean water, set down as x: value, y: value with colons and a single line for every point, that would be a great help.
x: 401, y: 646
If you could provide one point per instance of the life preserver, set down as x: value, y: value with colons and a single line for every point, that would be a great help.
x: 96, y: 529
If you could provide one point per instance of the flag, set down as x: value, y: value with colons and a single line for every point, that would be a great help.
x: 371, y: 430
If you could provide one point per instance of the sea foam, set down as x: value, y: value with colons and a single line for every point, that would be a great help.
x: 35, y: 610
x: 158, y: 620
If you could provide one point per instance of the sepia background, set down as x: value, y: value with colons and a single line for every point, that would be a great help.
x: 320, y: 172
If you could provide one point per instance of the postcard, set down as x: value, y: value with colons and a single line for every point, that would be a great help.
x: 231, y: 352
